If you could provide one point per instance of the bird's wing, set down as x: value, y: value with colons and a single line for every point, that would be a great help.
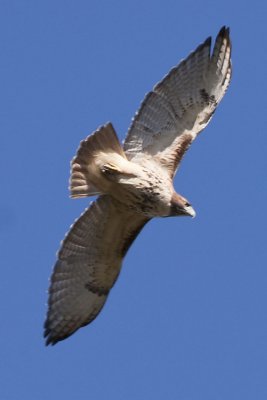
x: 181, y: 105
x: 89, y: 262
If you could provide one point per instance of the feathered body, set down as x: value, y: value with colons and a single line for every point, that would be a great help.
x: 134, y: 183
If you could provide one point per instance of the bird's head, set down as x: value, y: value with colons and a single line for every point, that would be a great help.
x: 180, y: 206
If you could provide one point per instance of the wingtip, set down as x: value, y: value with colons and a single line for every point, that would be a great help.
x: 224, y: 32
x: 222, y: 44
x: 46, y: 334
x: 50, y: 340
x: 208, y: 41
x: 53, y: 336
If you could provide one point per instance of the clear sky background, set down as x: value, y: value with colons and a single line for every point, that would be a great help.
x: 187, y: 318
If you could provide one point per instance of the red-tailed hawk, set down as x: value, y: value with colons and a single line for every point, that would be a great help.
x: 134, y: 183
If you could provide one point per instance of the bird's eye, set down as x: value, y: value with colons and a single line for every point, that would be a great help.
x: 187, y: 204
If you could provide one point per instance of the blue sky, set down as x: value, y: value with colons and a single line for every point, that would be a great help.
x: 187, y: 317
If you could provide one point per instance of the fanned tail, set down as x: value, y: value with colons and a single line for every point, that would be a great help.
x: 84, y: 179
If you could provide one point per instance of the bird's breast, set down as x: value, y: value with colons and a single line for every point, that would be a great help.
x: 148, y: 192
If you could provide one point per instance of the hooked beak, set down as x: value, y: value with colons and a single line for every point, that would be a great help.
x: 190, y: 211
x: 181, y: 207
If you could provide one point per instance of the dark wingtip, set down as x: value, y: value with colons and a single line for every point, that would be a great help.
x: 52, y: 338
x: 207, y: 41
x: 50, y: 341
x: 224, y: 32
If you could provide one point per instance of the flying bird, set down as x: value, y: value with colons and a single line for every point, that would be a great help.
x: 134, y: 182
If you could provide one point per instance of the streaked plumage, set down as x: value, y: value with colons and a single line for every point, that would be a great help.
x: 134, y: 184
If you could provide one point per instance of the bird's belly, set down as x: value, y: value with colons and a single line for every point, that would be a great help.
x: 143, y: 199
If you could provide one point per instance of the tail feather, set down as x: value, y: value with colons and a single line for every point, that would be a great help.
x: 83, y: 180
